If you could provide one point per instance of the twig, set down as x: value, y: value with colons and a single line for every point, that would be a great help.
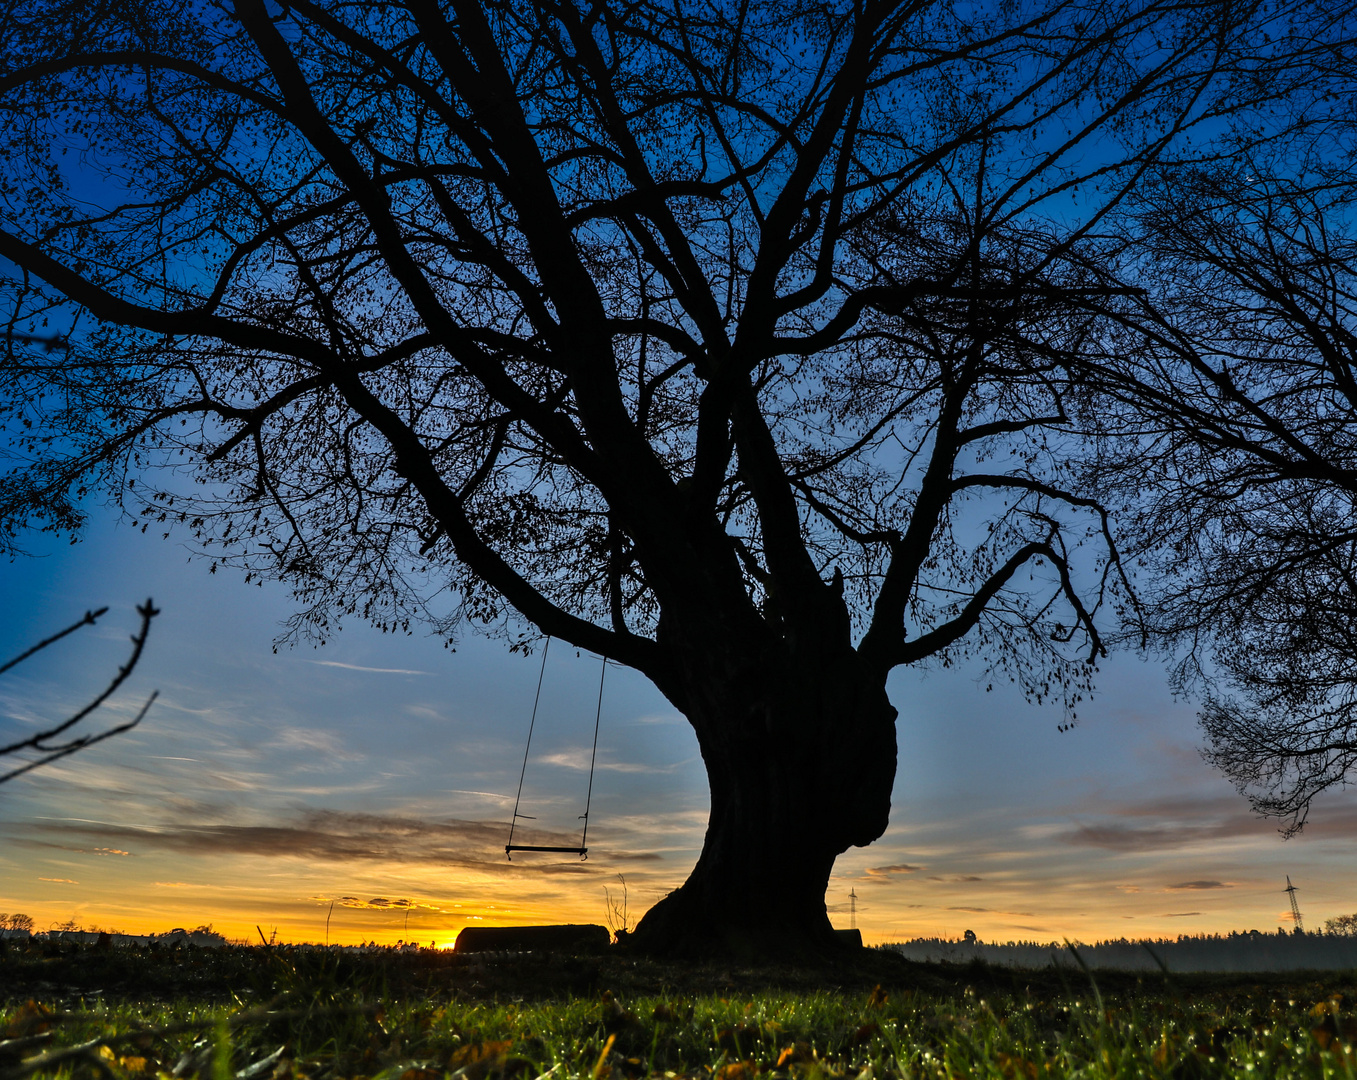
x: 88, y: 620
x: 82, y: 742
x: 42, y: 740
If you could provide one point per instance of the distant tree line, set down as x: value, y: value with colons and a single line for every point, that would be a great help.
x: 1341, y: 925
x: 1283, y: 950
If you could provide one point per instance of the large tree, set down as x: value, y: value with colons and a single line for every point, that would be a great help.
x: 727, y: 339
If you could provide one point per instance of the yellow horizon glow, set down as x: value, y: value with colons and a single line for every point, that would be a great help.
x: 296, y: 921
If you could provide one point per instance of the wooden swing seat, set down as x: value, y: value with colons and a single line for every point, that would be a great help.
x: 581, y: 851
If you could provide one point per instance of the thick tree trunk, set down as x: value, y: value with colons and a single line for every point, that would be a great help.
x: 800, y: 755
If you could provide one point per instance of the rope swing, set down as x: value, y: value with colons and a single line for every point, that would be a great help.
x: 583, y: 850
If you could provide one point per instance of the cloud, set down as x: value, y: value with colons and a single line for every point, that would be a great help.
x: 427, y: 712
x: 359, y: 667
x: 1179, y: 914
x: 996, y: 911
x: 28, y: 841
x: 1113, y: 837
x: 1168, y: 823
x: 486, y: 794
x: 1199, y: 885
x: 380, y: 903
x: 60, y: 880
x: 894, y: 870
x: 311, y: 741
x: 580, y: 761
x: 634, y: 856
x: 336, y: 836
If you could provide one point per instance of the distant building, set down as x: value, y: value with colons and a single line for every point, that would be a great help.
x: 77, y: 937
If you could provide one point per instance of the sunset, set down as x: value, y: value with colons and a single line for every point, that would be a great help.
x: 686, y: 540
x: 379, y: 772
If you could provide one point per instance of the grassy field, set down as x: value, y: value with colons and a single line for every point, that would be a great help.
x: 256, y: 1014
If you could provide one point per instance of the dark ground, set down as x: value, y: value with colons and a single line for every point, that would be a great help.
x: 58, y: 971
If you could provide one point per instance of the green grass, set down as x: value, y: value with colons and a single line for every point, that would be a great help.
x: 323, y: 1022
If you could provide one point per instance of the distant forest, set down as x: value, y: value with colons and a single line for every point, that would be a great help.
x: 1252, y: 951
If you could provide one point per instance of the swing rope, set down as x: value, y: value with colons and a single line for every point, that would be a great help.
x: 524, y: 771
x: 588, y: 798
x: 583, y: 850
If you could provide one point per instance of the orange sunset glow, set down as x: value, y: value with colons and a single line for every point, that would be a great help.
x: 372, y: 782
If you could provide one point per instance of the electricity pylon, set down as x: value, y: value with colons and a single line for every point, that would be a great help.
x: 1291, y: 891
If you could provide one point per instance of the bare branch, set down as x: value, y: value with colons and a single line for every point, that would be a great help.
x: 43, y: 741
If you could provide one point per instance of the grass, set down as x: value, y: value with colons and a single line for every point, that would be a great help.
x: 292, y: 1015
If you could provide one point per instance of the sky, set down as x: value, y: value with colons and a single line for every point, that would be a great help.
x: 362, y: 791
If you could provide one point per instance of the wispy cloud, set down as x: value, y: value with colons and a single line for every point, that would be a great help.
x: 336, y: 836
x: 379, y: 903
x: 485, y: 794
x: 1117, y: 837
x: 891, y: 872
x: 1179, y: 914
x: 579, y: 760
x: 60, y: 880
x: 359, y: 667
x: 1199, y: 885
x: 312, y: 742
x: 996, y: 911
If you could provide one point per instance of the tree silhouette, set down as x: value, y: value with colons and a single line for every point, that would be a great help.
x: 729, y: 340
x: 1232, y: 443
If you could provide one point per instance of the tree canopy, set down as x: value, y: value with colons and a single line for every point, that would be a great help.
x: 1231, y: 452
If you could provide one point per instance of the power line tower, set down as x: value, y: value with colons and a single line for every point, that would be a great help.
x: 1291, y: 891
x: 853, y: 909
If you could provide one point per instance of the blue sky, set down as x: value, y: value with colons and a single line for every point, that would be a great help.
x: 378, y: 773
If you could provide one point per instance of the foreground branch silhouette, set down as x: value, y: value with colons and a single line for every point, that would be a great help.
x: 60, y: 741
